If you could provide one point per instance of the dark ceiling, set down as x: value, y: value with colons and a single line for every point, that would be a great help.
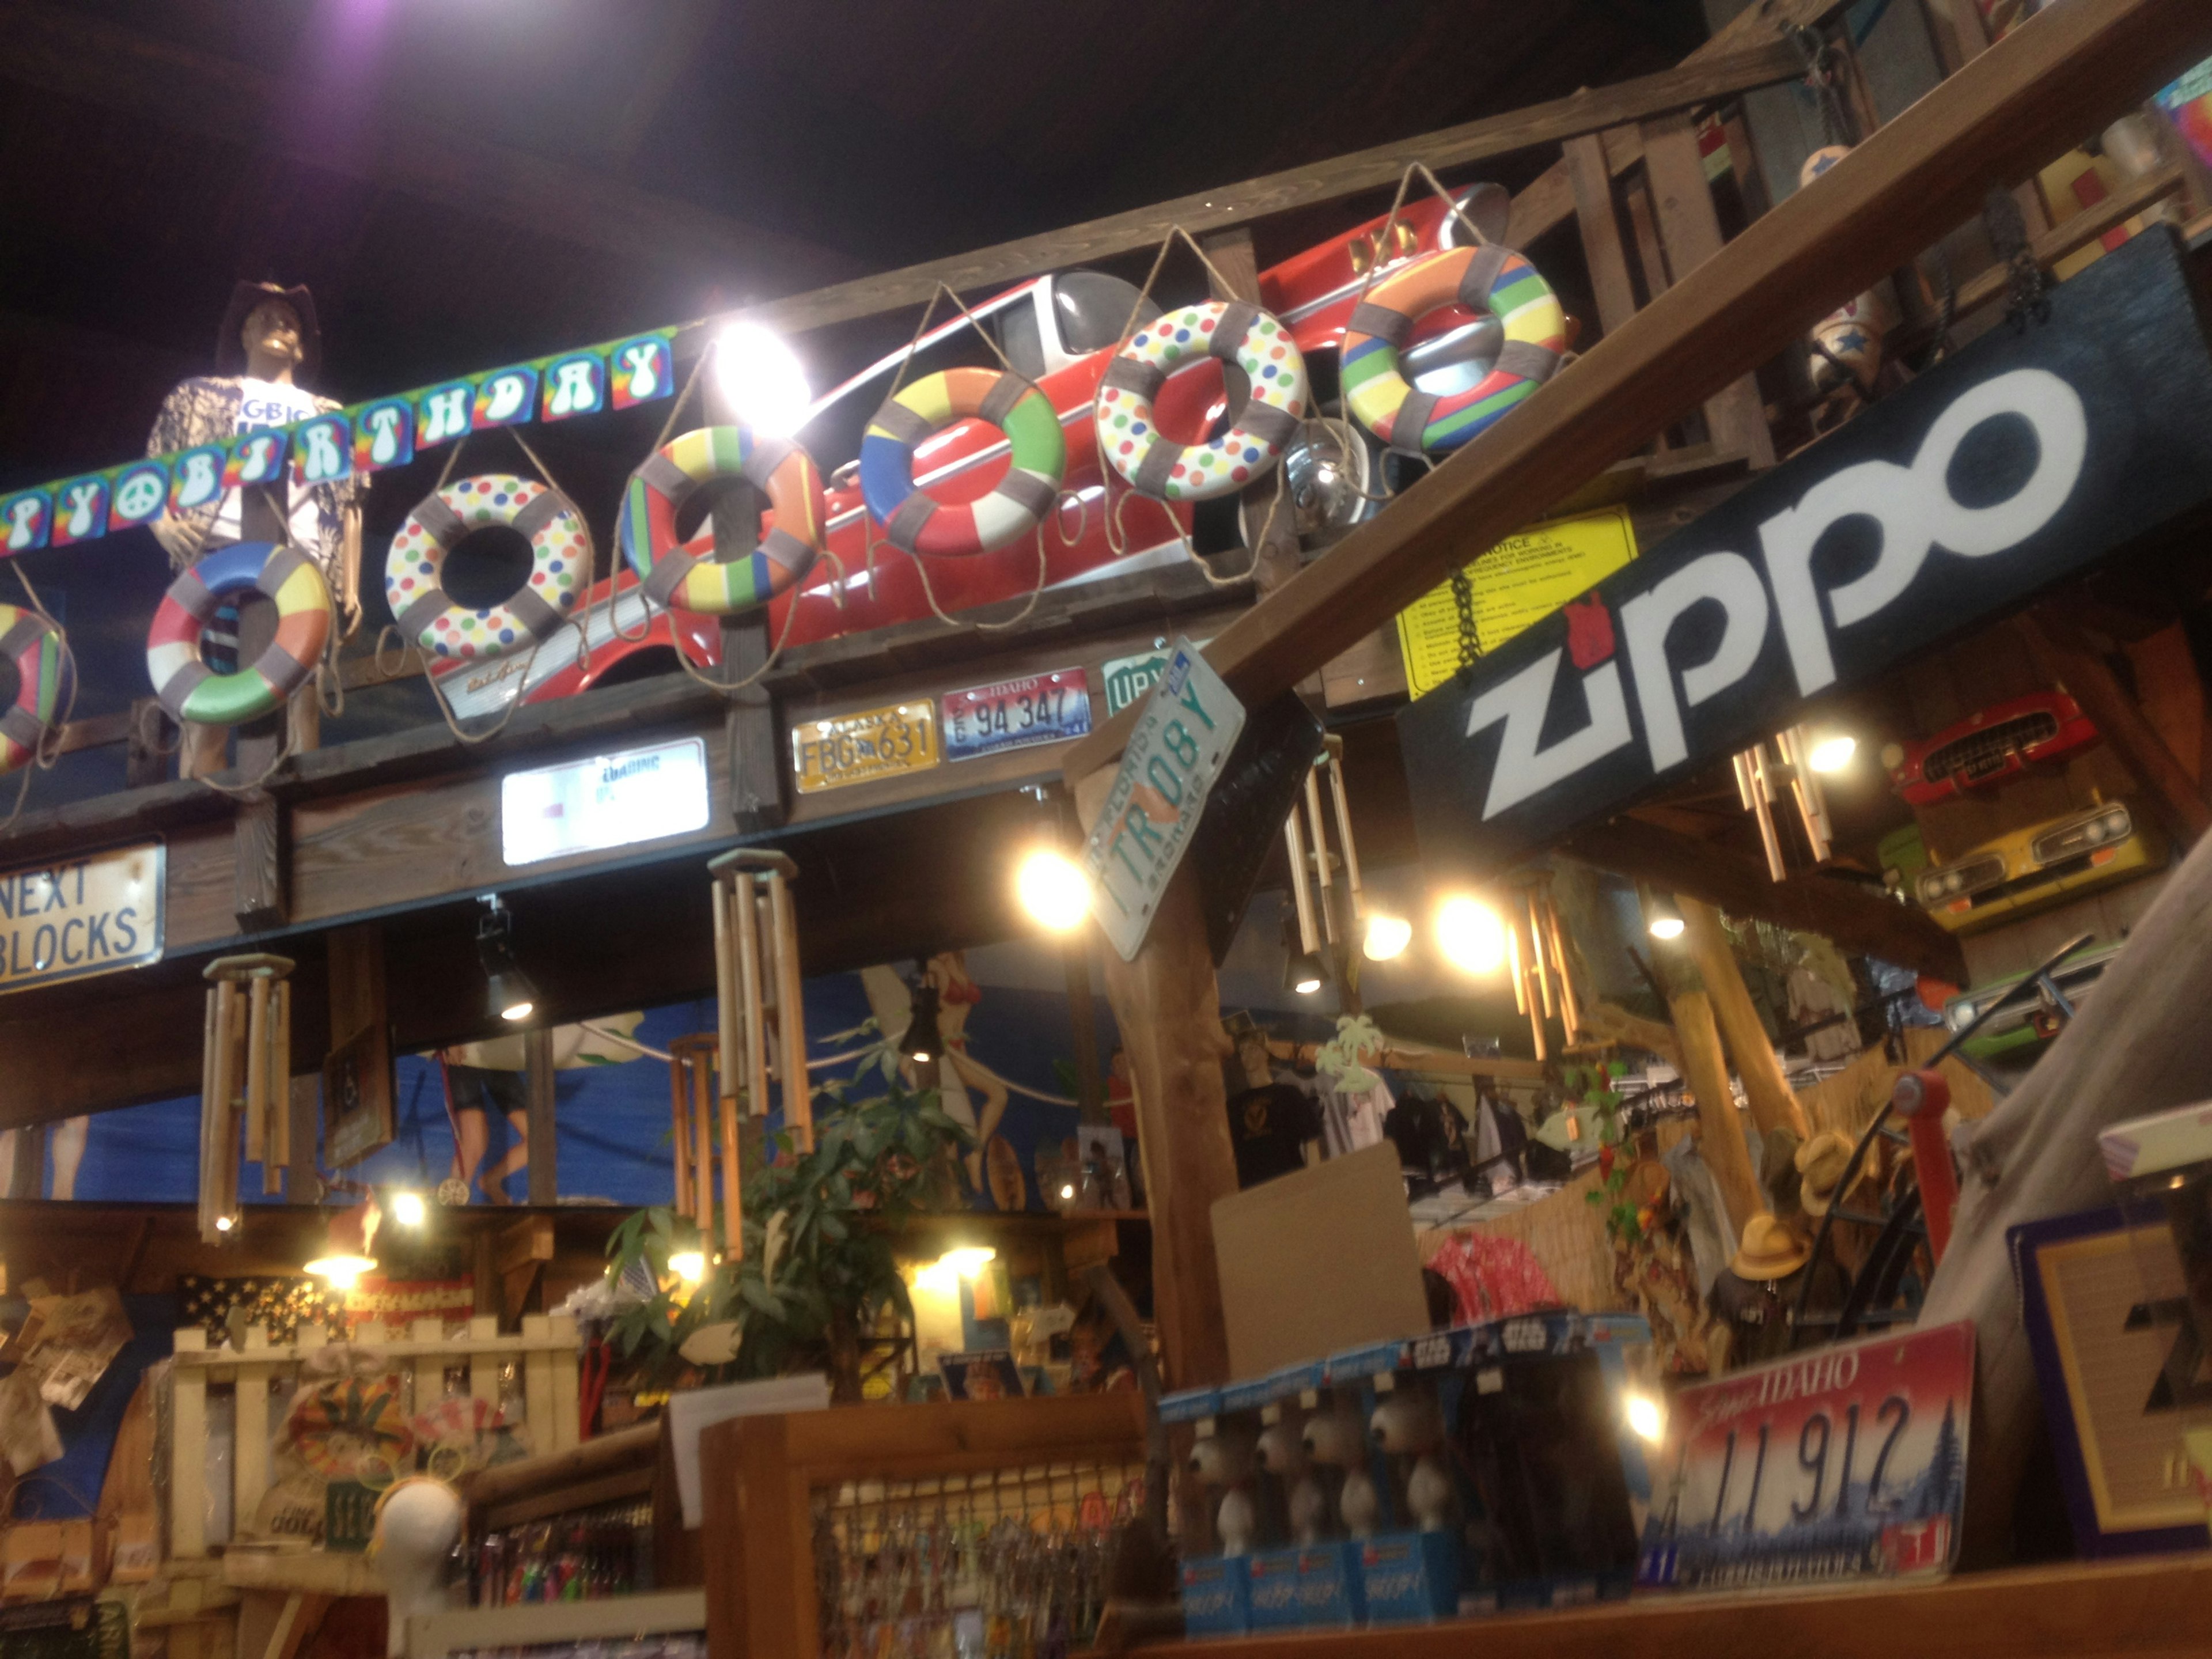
x: 468, y: 182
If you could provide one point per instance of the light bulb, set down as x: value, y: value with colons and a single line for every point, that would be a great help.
x: 762, y: 379
x: 968, y: 1260
x: 689, y: 1265
x: 1645, y: 1418
x: 1832, y: 753
x: 1067, y: 1192
x: 1471, y: 936
x: 518, y: 1011
x: 1386, y: 937
x: 342, y: 1273
x: 920, y: 1056
x: 223, y: 1223
x: 1666, y: 927
x: 1053, y: 890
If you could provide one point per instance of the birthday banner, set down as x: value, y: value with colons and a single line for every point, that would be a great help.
x: 367, y: 437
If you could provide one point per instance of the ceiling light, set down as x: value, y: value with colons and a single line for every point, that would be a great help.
x: 409, y: 1210
x: 1387, y: 936
x: 1832, y: 752
x: 1661, y: 916
x: 1471, y: 936
x: 510, y: 995
x: 762, y: 379
x: 1303, y: 973
x: 350, y: 1235
x: 1053, y: 890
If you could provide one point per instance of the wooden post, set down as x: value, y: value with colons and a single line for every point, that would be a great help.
x: 1691, y: 226
x: 545, y: 1187
x: 537, y: 1384
x: 1599, y: 222
x: 1720, y: 1130
x: 1168, y: 1008
x: 188, y: 1451
x: 250, y: 1446
x: 1773, y: 1102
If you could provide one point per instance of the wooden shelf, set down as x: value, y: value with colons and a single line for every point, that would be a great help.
x: 311, y: 1572
x: 2153, y: 1607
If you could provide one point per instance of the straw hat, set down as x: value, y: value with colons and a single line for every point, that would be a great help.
x: 1769, y: 1250
x: 1821, y: 1162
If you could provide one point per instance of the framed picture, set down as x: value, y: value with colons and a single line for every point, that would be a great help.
x: 357, y: 1097
x: 2102, y: 1303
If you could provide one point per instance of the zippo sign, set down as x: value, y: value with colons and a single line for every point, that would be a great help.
x: 2024, y: 459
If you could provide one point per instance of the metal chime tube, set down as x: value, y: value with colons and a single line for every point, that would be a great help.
x: 1320, y: 856
x: 257, y: 1064
x: 1519, y: 973
x: 790, y: 1012
x: 744, y: 919
x: 725, y: 986
x: 679, y: 1126
x: 1762, y: 805
x: 1335, y: 751
x: 211, y: 1048
x: 1536, y: 942
x: 279, y: 1157
x: 1308, y: 939
x: 1570, y: 1009
x: 703, y: 1142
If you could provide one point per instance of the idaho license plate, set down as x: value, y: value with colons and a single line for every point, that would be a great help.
x: 1015, y: 714
x: 874, y: 742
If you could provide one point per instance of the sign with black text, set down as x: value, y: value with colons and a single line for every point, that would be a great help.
x: 2025, y: 457
x: 79, y: 916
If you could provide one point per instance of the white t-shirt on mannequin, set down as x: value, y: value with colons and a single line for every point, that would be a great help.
x: 264, y: 405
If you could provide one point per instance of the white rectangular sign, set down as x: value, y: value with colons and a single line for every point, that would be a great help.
x: 1184, y: 732
x: 606, y: 800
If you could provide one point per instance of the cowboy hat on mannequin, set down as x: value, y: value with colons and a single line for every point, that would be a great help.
x: 270, y: 336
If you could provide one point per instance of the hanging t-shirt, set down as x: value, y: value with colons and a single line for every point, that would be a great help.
x: 1269, y: 1128
x: 262, y: 406
x: 1351, y: 1120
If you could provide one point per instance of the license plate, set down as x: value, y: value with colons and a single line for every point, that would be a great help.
x: 874, y: 742
x: 1840, y: 1462
x: 1015, y: 714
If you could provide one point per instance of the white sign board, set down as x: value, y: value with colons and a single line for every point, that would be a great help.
x: 1184, y: 732
x: 606, y: 800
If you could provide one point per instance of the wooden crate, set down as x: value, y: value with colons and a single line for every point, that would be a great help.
x: 546, y: 1349
x: 762, y: 1474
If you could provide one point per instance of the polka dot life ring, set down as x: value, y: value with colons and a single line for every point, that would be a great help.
x: 1489, y: 278
x: 1157, y: 466
x: 187, y: 687
x: 34, y: 645
x: 560, y: 566
x: 913, y: 521
x: 696, y: 575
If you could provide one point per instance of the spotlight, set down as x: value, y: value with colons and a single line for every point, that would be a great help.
x: 689, y: 1265
x: 1831, y: 752
x: 1303, y: 973
x: 762, y: 379
x: 1053, y: 890
x: 1646, y: 1418
x: 349, y: 1237
x: 1471, y: 936
x: 510, y: 994
x: 409, y: 1210
x: 1661, y: 916
x: 1387, y: 936
x: 923, y: 1043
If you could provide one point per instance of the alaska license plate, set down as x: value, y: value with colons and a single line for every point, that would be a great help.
x: 1015, y: 714
x: 842, y: 750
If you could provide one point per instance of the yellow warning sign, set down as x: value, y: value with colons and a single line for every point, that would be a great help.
x: 1522, y: 579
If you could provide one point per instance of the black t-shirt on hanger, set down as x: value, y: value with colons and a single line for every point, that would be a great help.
x: 1268, y: 1127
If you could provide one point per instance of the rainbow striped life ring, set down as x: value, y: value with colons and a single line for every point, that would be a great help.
x: 911, y: 519
x: 187, y: 687
x: 697, y: 575
x: 1490, y: 279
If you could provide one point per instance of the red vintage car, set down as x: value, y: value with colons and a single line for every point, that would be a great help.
x: 1991, y: 746
x: 1059, y: 330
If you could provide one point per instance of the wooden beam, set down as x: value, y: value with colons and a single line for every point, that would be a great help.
x: 1773, y: 1103
x: 1856, y: 920
x: 538, y: 1046
x: 1757, y: 62
x: 2063, y: 658
x: 1603, y: 250
x: 259, y: 901
x: 2061, y: 73
x: 66, y: 51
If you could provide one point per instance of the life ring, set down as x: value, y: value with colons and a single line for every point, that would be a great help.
x: 560, y: 566
x: 187, y: 687
x: 1489, y: 278
x: 697, y: 575
x: 911, y: 519
x: 1157, y: 466
x: 34, y: 645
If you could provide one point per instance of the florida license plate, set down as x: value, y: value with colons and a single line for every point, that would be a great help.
x: 1015, y: 714
x: 843, y: 749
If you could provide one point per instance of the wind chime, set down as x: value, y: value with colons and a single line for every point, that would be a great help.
x: 1321, y: 915
x: 246, y: 1072
x: 1536, y: 961
x: 760, y: 1033
x: 1759, y: 781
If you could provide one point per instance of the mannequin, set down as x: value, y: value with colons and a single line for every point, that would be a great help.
x: 268, y: 338
x: 418, y: 1521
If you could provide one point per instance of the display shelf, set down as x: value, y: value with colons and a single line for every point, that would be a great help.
x: 618, y: 1618
x: 2153, y: 1607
